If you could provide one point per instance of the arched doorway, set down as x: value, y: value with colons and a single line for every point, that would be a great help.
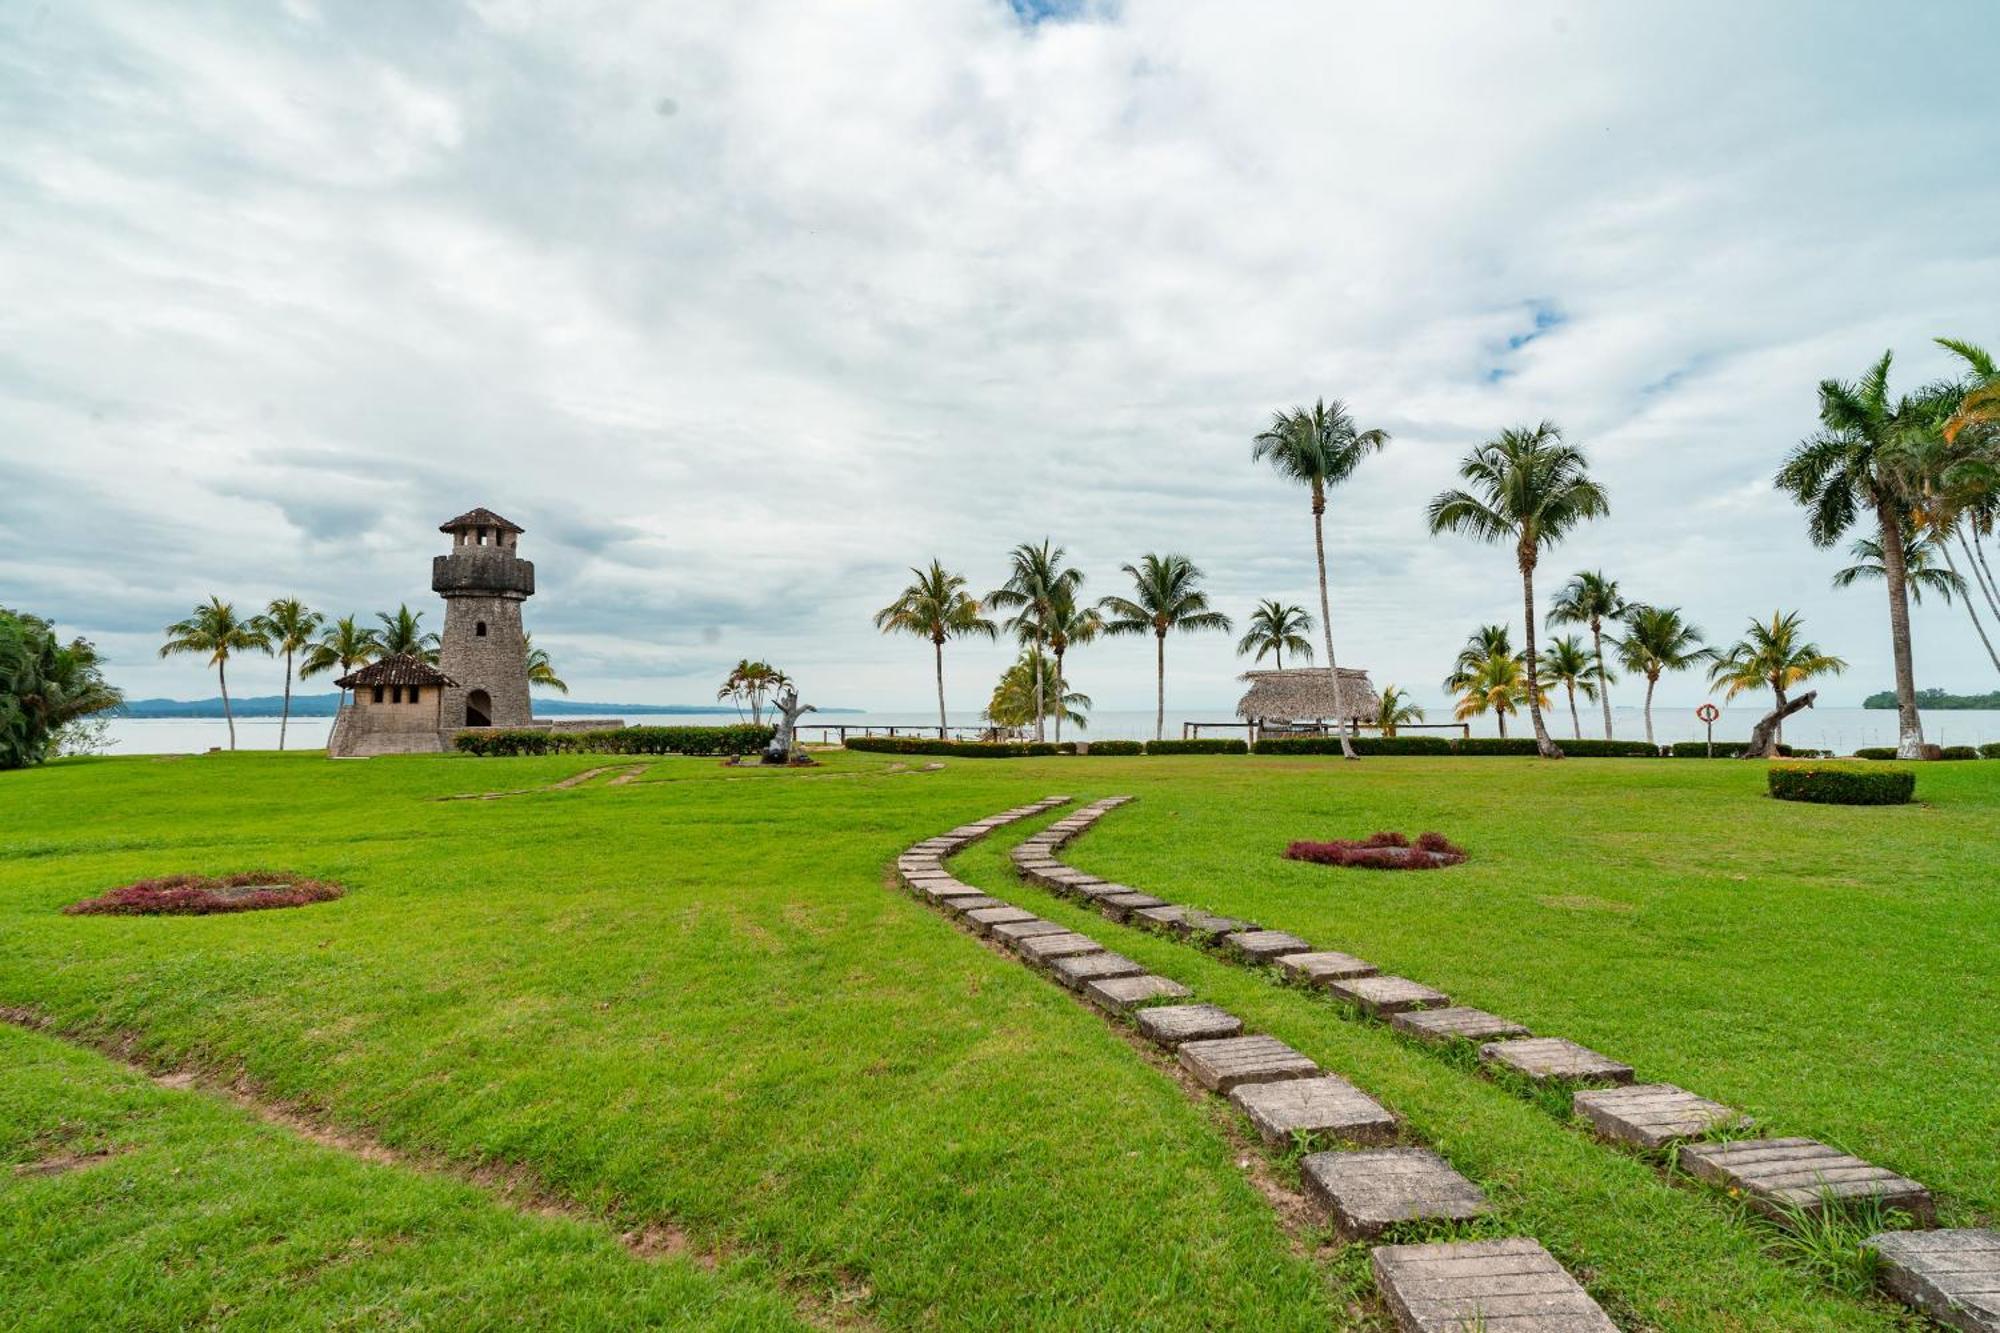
x: 478, y: 709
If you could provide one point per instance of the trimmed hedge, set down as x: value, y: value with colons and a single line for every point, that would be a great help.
x: 1876, y: 752
x: 1608, y: 749
x: 1198, y: 747
x: 617, y: 740
x: 1959, y: 752
x: 958, y: 749
x: 1496, y: 745
x: 1368, y: 745
x: 1841, y: 784
x: 1116, y: 747
x: 1991, y: 750
x: 1723, y: 750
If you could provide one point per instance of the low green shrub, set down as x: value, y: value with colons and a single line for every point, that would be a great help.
x: 1364, y: 745
x: 1198, y: 747
x: 1876, y: 752
x: 1487, y: 745
x: 1959, y: 752
x: 616, y: 740
x: 1723, y: 750
x: 1609, y: 749
x: 1116, y: 747
x: 1990, y: 750
x: 1841, y: 784
x: 958, y: 749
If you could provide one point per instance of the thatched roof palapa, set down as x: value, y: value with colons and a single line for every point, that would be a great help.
x: 1302, y: 694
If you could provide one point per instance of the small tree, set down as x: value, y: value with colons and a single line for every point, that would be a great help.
x: 288, y: 626
x: 934, y: 605
x: 1772, y: 655
x: 1166, y: 596
x: 1395, y: 710
x: 1657, y: 640
x: 1591, y: 599
x: 343, y: 645
x: 1276, y: 628
x: 50, y: 691
x: 1568, y: 663
x: 217, y: 632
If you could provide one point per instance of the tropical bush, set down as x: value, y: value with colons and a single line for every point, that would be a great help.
x: 1842, y: 784
x: 206, y: 895
x: 1991, y: 750
x: 1117, y: 747
x: 1609, y: 749
x: 1959, y: 752
x: 1363, y: 745
x: 1876, y: 752
x: 45, y: 686
x: 959, y: 749
x: 617, y: 740
x: 1490, y: 745
x: 1198, y: 747
x: 1381, y: 851
x: 1723, y: 750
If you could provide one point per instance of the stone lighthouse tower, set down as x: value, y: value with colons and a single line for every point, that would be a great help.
x: 484, y: 652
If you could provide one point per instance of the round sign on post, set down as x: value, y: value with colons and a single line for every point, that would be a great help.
x: 1708, y: 713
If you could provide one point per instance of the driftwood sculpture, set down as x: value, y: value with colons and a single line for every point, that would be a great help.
x: 783, y: 747
x: 1764, y: 740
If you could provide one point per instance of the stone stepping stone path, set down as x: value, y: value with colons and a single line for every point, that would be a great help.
x: 1456, y: 1023
x: 1012, y: 932
x: 1063, y: 944
x: 1652, y: 1115
x: 1230, y: 1062
x: 1081, y: 969
x: 1779, y: 1176
x: 986, y: 918
x: 1501, y: 1286
x: 1553, y: 1059
x: 1369, y: 1192
x: 1952, y: 1276
x: 1323, y: 1106
x: 1170, y: 1025
x: 1772, y: 1173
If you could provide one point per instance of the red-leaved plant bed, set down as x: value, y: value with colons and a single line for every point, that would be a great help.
x: 1381, y: 851
x: 203, y: 895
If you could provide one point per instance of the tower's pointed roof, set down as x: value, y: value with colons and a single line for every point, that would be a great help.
x: 480, y: 518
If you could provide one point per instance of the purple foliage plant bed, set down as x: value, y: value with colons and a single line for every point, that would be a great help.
x: 205, y: 895
x: 1381, y: 851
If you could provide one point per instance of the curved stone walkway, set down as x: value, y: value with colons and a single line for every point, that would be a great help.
x: 1957, y: 1271
x: 1438, y: 1288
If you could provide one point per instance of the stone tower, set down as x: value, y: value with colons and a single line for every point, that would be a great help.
x: 485, y: 651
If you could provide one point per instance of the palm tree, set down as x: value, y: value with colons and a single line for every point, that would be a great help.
x: 1590, y: 599
x: 1566, y: 662
x: 1860, y: 460
x: 542, y: 671
x: 1277, y: 628
x: 216, y: 630
x: 935, y: 606
x: 1979, y: 397
x: 1395, y: 710
x: 1483, y: 644
x: 1531, y: 490
x: 1657, y: 640
x: 749, y: 682
x: 1020, y: 697
x: 1066, y: 626
x: 1166, y: 596
x: 1920, y: 566
x: 1498, y: 685
x: 1771, y: 654
x: 1035, y: 580
x: 402, y: 635
x: 289, y: 626
x: 45, y: 685
x: 1320, y: 448
x: 344, y: 645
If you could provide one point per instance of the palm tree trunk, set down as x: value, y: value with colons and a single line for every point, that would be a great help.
x: 1061, y: 689
x: 1651, y: 681
x: 1985, y: 585
x: 1160, y: 685
x: 1970, y: 609
x: 1040, y: 707
x: 1326, y: 621
x: 1575, y: 723
x: 1778, y: 734
x: 1979, y: 554
x: 222, y: 676
x: 938, y: 646
x: 1500, y: 716
x: 285, y: 718
x: 1909, y: 726
x: 1603, y: 677
x: 1544, y: 745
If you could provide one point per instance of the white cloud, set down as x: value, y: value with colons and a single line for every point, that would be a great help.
x: 742, y: 309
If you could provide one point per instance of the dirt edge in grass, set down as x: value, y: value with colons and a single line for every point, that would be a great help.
x: 513, y: 1186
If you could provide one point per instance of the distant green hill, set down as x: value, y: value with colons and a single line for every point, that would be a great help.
x: 1937, y: 699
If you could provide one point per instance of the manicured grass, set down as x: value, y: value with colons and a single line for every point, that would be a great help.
x: 693, y: 999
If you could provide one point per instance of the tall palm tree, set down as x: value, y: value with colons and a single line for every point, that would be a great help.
x: 1482, y: 645
x: 1395, y: 710
x: 289, y: 625
x: 1658, y: 640
x: 218, y: 632
x: 1979, y: 397
x: 1498, y: 685
x: 344, y: 645
x: 1320, y: 447
x: 402, y: 635
x: 1589, y: 598
x: 1019, y: 697
x: 1531, y: 489
x: 1036, y: 578
x: 1066, y: 626
x: 1277, y: 628
x: 1921, y: 570
x: 542, y: 671
x: 1566, y: 662
x: 1771, y: 654
x: 1860, y: 462
x: 1166, y: 596
x: 934, y: 605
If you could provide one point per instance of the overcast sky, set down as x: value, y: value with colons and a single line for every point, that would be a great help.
x: 741, y: 309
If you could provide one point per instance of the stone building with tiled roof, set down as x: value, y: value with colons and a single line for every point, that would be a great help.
x: 398, y: 708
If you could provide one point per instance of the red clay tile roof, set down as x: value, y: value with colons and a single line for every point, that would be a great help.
x: 399, y: 670
x: 480, y: 518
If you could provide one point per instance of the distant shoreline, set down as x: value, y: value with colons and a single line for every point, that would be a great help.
x: 325, y: 705
x: 1939, y: 701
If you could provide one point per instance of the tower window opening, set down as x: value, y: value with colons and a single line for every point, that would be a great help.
x: 479, y: 630
x: 378, y: 694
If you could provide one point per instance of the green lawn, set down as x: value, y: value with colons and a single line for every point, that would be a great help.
x: 693, y: 1001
